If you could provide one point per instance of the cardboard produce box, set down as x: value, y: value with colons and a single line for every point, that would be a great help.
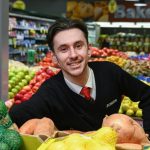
x: 32, y: 142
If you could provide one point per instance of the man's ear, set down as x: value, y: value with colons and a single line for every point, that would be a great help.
x: 89, y: 50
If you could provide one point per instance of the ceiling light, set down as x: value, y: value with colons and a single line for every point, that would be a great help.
x: 132, y: 0
x: 140, y: 4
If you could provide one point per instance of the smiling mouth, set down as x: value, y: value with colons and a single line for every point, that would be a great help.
x: 75, y: 63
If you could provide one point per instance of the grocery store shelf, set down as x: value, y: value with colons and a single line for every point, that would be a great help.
x: 31, y: 17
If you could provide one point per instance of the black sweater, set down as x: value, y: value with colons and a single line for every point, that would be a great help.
x: 69, y: 110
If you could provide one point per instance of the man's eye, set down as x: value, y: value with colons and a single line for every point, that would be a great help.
x: 64, y: 49
x: 78, y: 46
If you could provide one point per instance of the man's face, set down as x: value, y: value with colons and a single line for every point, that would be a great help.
x: 72, y: 52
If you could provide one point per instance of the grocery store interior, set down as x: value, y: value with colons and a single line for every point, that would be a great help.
x: 119, y: 32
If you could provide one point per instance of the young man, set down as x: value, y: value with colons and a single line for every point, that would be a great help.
x: 59, y: 97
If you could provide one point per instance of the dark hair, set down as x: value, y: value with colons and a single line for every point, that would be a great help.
x: 64, y: 24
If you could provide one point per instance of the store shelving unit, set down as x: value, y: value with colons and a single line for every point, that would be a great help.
x: 27, y: 32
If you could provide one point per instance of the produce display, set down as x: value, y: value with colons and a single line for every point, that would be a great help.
x: 135, y: 67
x: 27, y: 91
x: 10, y: 138
x: 118, y: 132
x: 19, y: 76
x: 47, y: 61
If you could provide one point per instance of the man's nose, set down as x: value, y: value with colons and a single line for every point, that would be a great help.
x: 73, y: 53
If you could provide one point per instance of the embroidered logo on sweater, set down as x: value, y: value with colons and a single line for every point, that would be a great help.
x: 111, y: 103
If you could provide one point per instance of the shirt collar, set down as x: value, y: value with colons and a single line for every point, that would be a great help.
x: 76, y: 88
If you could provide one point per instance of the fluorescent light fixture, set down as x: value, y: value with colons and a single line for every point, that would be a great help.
x: 105, y: 24
x: 140, y: 4
x: 117, y: 24
x: 123, y: 24
x: 143, y: 24
x: 132, y: 0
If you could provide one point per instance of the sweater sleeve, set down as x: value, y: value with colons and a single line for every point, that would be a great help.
x: 36, y: 107
x: 137, y: 91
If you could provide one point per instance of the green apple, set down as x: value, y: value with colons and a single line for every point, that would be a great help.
x: 19, y: 77
x: 120, y: 110
x: 21, y: 84
x: 28, y: 77
x: 18, y: 87
x: 9, y: 87
x: 21, y: 74
x: 11, y: 74
x: 32, y: 74
x: 24, y: 81
x: 15, y: 91
x: 138, y: 113
x: 129, y: 112
x: 10, y: 95
x: 12, y: 83
x: 125, y: 106
x: 135, y: 106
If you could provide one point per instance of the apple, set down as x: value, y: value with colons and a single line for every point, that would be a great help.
x: 21, y: 74
x: 39, y: 72
x: 125, y: 106
x: 138, y: 113
x: 129, y: 112
x: 12, y: 83
x: 135, y: 106
x: 11, y: 74
x: 50, y: 72
x: 24, y: 81
x: 10, y: 95
x: 22, y: 92
x: 18, y: 77
x: 35, y: 88
x: 18, y: 96
x: 28, y: 77
x: 27, y: 88
x: 9, y: 87
x: 26, y: 97
x: 21, y: 84
x: 18, y: 87
x: 39, y: 78
x: 14, y: 91
x: 33, y: 81
x: 38, y: 84
x: 17, y: 102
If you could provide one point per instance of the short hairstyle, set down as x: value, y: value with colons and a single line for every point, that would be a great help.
x: 64, y: 24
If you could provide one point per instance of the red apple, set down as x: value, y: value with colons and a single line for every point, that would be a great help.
x: 22, y: 92
x: 18, y: 96
x: 33, y: 81
x: 27, y: 87
x: 17, y: 101
x: 50, y: 72
x: 39, y: 78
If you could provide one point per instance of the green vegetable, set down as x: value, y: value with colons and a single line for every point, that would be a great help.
x: 2, y: 130
x: 3, y: 109
x: 4, y: 146
x: 12, y: 138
